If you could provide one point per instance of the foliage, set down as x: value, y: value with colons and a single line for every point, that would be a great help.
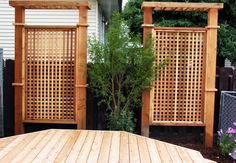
x: 120, y: 69
x: 227, y: 20
x: 121, y: 120
x: 227, y: 141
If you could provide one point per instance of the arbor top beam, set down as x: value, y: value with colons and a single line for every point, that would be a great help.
x: 182, y: 6
x: 49, y: 4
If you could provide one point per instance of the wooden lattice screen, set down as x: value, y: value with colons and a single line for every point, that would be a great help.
x: 177, y: 94
x: 183, y: 93
x: 49, y: 73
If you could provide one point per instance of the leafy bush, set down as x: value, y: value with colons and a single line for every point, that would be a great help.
x: 120, y: 69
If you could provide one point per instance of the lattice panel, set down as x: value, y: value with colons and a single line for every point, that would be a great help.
x: 49, y: 73
x: 177, y: 92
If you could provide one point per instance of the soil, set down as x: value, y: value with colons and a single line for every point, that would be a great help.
x: 197, y: 144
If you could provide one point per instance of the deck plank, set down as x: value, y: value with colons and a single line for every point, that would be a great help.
x: 173, y: 153
x: 161, y: 148
x: 184, y: 155
x: 40, y: 146
x: 64, y: 153
x: 5, y: 141
x: 154, y: 155
x: 43, y: 154
x: 92, y: 146
x: 84, y: 153
x: 134, y: 150
x: 124, y: 148
x: 115, y: 148
x: 21, y: 146
x: 21, y: 155
x: 143, y: 150
x: 77, y: 147
x: 95, y: 150
x: 105, y: 148
x: 57, y: 148
x: 12, y: 145
x: 195, y: 157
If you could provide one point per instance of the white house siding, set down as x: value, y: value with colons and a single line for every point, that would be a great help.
x: 228, y: 63
x: 47, y: 17
x: 101, y: 25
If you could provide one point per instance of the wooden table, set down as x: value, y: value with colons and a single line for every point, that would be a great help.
x: 92, y: 146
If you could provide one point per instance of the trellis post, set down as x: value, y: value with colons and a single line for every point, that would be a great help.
x: 81, y: 66
x: 147, y: 28
x: 18, y: 83
x: 210, y: 76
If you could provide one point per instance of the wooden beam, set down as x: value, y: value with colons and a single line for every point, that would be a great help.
x: 81, y: 68
x: 180, y: 6
x: 19, y: 18
x: 209, y: 97
x: 49, y: 4
x: 147, y: 28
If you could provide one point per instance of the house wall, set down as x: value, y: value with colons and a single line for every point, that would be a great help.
x: 228, y: 63
x: 46, y: 17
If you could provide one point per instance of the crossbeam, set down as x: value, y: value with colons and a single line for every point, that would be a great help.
x: 181, y: 6
x: 49, y: 4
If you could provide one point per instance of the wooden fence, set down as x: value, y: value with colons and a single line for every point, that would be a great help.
x: 225, y: 81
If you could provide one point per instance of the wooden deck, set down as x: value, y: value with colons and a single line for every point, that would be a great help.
x: 92, y: 146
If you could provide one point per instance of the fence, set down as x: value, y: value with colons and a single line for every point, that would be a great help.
x: 1, y: 94
x: 227, y: 109
x: 225, y: 81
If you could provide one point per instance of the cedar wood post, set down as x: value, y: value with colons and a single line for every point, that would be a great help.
x: 19, y: 21
x: 147, y: 27
x: 210, y: 75
x: 81, y: 68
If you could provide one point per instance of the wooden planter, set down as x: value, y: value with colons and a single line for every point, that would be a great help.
x: 50, y: 67
x: 183, y: 92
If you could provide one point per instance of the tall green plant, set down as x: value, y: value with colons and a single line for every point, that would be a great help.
x: 120, y: 70
x: 227, y: 21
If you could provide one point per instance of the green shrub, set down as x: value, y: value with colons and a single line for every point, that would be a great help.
x: 119, y: 70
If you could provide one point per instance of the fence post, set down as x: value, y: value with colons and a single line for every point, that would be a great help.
x: 209, y: 92
x: 81, y: 68
x: 1, y: 94
x: 147, y: 27
x: 19, y: 21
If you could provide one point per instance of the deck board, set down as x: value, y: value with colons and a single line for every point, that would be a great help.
x: 92, y: 146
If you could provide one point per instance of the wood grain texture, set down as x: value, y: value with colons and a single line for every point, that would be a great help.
x: 19, y: 50
x: 49, y: 4
x: 92, y: 146
x: 176, y: 95
x: 50, y: 66
x: 49, y: 83
x: 178, y: 6
x: 210, y: 76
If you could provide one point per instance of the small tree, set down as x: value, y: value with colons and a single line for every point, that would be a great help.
x: 120, y: 70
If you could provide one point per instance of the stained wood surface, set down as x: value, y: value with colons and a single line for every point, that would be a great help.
x: 49, y: 4
x: 91, y: 146
x: 49, y: 74
x: 181, y: 6
x: 176, y: 95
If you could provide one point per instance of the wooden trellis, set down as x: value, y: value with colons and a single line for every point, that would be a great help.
x: 183, y: 92
x: 176, y: 96
x: 50, y: 67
